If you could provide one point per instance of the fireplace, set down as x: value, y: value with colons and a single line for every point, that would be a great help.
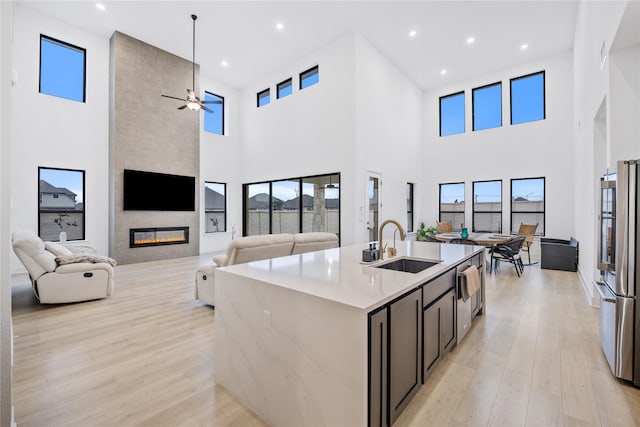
x: 158, y: 236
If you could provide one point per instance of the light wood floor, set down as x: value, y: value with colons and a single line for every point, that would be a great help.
x: 144, y: 357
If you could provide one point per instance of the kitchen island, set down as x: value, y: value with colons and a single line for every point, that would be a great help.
x: 297, y: 338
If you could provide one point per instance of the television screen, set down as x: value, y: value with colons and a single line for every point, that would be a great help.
x: 150, y: 191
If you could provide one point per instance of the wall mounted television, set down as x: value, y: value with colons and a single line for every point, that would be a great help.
x: 151, y: 191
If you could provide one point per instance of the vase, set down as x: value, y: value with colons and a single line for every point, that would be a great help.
x: 63, y: 236
x: 464, y: 233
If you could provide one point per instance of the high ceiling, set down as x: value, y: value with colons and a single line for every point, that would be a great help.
x: 244, y: 33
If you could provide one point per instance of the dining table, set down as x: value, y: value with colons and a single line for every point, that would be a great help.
x: 490, y: 240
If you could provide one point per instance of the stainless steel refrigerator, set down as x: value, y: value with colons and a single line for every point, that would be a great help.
x: 619, y: 284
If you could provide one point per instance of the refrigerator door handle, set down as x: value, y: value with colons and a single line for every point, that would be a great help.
x: 604, y: 292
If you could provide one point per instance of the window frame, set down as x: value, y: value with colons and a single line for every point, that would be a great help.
x: 544, y: 96
x: 279, y: 85
x: 84, y: 66
x: 410, y: 206
x: 473, y: 106
x: 473, y: 206
x: 464, y: 118
x: 440, y: 201
x: 309, y: 71
x: 206, y: 92
x: 84, y: 201
x: 541, y: 230
x: 301, y: 180
x: 258, y: 97
x: 208, y: 211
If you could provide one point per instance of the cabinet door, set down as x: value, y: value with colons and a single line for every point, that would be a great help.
x: 378, y: 413
x: 405, y: 351
x: 448, y: 315
x: 432, y: 344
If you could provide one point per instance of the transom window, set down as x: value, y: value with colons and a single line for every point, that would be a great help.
x: 452, y: 114
x: 309, y: 77
x: 527, y: 98
x: 61, y: 203
x: 487, y: 106
x: 215, y: 207
x: 452, y: 204
x: 528, y: 203
x: 264, y: 97
x: 214, y: 120
x: 487, y: 206
x: 285, y: 88
x: 62, y: 69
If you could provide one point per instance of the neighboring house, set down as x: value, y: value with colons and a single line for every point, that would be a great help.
x: 56, y: 198
x: 213, y: 201
x: 262, y: 200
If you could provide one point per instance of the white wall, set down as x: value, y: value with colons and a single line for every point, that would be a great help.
x: 388, y: 137
x: 219, y: 162
x: 55, y: 132
x: 535, y: 149
x: 597, y: 22
x: 309, y: 132
x: 6, y: 332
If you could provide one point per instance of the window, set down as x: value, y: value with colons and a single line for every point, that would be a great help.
x: 452, y: 204
x: 215, y: 207
x: 284, y: 88
x: 527, y: 203
x: 487, y: 106
x: 527, y: 98
x: 409, y: 206
x: 62, y: 69
x: 214, y: 120
x: 309, y: 77
x: 487, y: 206
x: 298, y: 205
x: 61, y: 203
x: 264, y: 98
x: 452, y: 114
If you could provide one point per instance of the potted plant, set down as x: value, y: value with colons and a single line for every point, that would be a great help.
x: 423, y: 231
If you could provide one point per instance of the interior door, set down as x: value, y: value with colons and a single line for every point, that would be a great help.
x: 374, y: 203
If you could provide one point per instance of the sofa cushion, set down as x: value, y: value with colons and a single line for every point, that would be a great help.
x: 220, y: 260
x: 315, y: 241
x: 31, y: 251
x: 57, y: 249
x: 255, y: 248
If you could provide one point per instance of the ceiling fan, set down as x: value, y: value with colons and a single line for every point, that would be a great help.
x: 192, y: 102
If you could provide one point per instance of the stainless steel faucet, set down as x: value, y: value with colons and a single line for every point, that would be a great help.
x: 403, y: 235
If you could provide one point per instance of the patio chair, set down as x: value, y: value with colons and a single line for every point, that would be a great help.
x: 529, y: 231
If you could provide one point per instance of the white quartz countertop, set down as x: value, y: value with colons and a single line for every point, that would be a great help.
x: 339, y: 275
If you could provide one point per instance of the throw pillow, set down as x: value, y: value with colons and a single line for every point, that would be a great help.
x: 57, y: 249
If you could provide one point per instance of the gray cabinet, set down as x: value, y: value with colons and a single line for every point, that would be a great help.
x: 405, y: 351
x: 439, y: 330
x: 378, y: 413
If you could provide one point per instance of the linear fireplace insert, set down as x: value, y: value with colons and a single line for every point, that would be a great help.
x: 158, y: 236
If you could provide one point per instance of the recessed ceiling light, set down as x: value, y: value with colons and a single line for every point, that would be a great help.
x: 470, y: 40
x: 413, y: 33
x: 224, y: 63
x: 524, y: 47
x: 100, y: 6
x: 279, y: 26
x: 443, y: 72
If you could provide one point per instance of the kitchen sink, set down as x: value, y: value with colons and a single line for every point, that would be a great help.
x: 408, y: 265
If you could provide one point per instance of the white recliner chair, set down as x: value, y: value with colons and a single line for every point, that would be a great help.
x: 68, y: 282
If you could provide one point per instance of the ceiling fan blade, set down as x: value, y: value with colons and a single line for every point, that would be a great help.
x: 182, y: 108
x: 206, y: 109
x: 211, y: 102
x: 173, y: 97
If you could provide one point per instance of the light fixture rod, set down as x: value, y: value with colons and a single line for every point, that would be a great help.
x: 193, y: 63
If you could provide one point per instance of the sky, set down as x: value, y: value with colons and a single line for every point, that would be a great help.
x: 530, y: 189
x: 71, y: 180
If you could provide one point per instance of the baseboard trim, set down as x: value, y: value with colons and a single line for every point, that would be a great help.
x: 587, y: 286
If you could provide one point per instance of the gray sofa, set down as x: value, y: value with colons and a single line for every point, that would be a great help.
x: 255, y: 248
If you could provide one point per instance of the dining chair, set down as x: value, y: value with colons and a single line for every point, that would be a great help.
x: 445, y: 227
x: 509, y: 252
x: 529, y: 231
x: 461, y: 241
